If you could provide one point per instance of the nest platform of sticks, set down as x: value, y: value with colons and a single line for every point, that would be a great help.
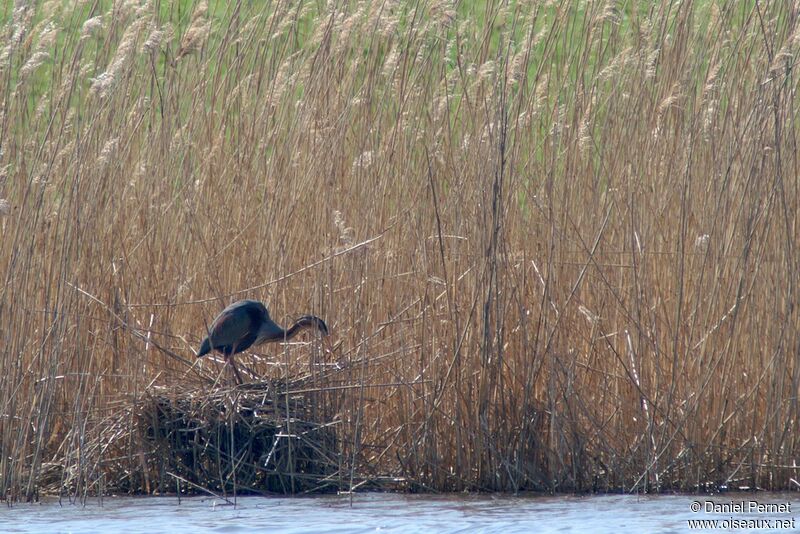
x: 267, y: 437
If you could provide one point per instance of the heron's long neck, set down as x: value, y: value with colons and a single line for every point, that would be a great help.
x: 294, y: 329
x: 273, y: 332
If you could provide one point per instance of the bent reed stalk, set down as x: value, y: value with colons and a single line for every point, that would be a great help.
x: 555, y: 242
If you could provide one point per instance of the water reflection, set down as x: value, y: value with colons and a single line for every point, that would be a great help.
x: 388, y: 513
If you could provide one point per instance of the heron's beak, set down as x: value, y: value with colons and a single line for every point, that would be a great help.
x: 326, y: 344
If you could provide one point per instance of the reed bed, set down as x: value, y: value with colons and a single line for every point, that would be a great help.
x: 556, y: 243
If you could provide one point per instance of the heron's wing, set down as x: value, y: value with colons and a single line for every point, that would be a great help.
x: 229, y: 329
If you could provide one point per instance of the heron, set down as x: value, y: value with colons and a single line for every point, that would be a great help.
x: 246, y: 323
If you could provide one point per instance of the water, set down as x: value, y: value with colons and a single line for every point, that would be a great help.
x: 397, y: 513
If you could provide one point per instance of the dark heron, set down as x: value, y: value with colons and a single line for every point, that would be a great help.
x: 246, y: 323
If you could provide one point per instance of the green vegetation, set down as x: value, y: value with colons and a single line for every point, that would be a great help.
x: 556, y: 242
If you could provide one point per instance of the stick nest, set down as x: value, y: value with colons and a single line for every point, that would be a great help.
x: 267, y: 437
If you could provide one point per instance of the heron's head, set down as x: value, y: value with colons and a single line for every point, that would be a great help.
x: 312, y: 321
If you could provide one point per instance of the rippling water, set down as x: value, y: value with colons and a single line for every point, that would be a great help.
x: 395, y: 513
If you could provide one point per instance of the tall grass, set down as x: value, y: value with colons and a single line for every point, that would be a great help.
x: 556, y: 242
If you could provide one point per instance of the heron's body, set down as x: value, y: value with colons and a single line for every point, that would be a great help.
x: 246, y: 323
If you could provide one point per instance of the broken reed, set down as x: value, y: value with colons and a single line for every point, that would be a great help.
x: 564, y: 233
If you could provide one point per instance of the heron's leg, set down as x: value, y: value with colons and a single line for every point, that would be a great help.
x: 235, y: 369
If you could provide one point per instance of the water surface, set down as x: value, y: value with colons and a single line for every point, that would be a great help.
x: 374, y: 512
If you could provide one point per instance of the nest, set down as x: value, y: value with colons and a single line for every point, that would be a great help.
x: 268, y: 437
